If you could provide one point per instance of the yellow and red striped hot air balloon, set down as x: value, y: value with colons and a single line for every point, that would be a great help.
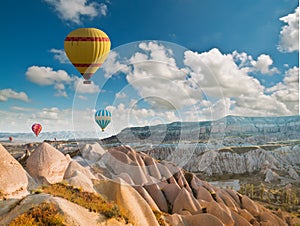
x: 87, y: 49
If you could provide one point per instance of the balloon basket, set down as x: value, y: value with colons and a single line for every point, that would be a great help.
x: 86, y: 82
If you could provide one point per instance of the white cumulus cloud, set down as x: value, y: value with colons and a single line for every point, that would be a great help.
x: 259, y: 105
x: 60, y: 55
x: 219, y: 76
x: 46, y: 76
x: 60, y: 80
x: 287, y: 91
x: 227, y: 76
x: 75, y: 10
x: 112, y: 65
x: 6, y: 94
x: 155, y: 75
x: 103, y: 9
x: 246, y: 63
x: 263, y: 65
x: 289, y: 34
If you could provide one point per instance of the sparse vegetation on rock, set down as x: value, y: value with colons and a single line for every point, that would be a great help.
x: 91, y: 201
x: 285, y: 197
x: 41, y: 215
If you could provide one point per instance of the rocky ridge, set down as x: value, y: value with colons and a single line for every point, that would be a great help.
x: 236, y: 160
x: 228, y: 131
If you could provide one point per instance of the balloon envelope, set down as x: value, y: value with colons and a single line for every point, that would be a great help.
x: 87, y: 49
x: 103, y: 118
x: 36, y: 128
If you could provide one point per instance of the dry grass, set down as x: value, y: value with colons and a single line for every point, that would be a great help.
x: 159, y: 218
x: 44, y: 214
x: 91, y: 201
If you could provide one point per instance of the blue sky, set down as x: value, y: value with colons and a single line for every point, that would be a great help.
x: 171, y: 60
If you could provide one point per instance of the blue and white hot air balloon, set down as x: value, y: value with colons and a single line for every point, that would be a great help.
x: 103, y: 118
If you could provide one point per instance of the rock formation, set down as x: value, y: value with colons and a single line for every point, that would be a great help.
x: 146, y: 191
x: 184, y: 198
x: 92, y: 152
x: 271, y: 176
x: 73, y: 213
x: 13, y: 178
x: 237, y: 160
x: 129, y: 201
x: 46, y: 164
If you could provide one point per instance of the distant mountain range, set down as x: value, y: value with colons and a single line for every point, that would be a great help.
x: 61, y: 135
x: 231, y: 130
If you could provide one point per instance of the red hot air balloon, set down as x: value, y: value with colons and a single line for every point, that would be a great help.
x: 36, y: 128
